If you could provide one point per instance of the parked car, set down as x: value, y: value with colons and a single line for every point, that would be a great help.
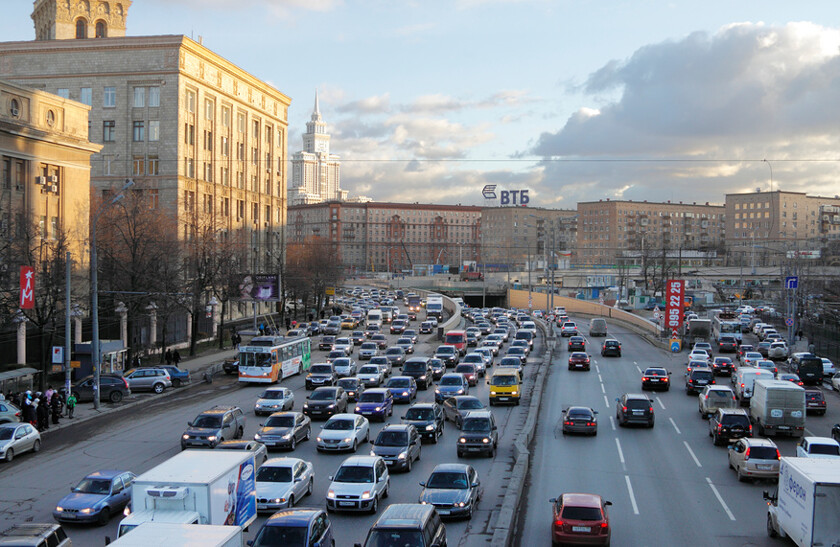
x: 282, y: 482
x: 220, y: 423
x: 9, y: 413
x: 96, y: 498
x: 284, y: 430
x: 112, y: 387
x: 178, y: 376
x: 580, y: 519
x: 274, y: 399
x: 17, y: 438
x: 454, y: 489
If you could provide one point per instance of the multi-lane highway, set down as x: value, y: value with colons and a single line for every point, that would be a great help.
x: 140, y: 439
x: 669, y: 485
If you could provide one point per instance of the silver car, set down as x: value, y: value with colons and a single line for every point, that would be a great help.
x: 754, y: 458
x: 149, y: 379
x: 18, y: 438
x: 282, y: 482
x: 274, y: 399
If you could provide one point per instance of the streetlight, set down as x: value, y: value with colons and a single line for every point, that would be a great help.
x: 94, y: 297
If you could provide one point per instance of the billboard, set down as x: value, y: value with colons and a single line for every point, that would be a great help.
x: 259, y: 288
x: 674, y: 293
x: 27, y: 287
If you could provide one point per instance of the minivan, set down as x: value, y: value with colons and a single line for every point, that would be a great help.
x: 414, y: 524
x: 505, y: 386
x: 597, y: 326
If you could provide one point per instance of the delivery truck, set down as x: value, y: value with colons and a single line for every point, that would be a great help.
x: 804, y: 507
x: 196, y: 486
x: 158, y: 533
x: 434, y: 307
x: 777, y: 407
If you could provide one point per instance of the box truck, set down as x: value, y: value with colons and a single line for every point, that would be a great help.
x: 196, y: 486
x: 778, y: 407
x: 158, y: 533
x: 434, y: 306
x: 805, y: 505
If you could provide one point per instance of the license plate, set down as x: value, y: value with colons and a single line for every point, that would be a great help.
x: 346, y: 504
x: 68, y: 515
x: 638, y: 412
x: 784, y: 427
x: 764, y: 467
x: 654, y: 380
x: 503, y: 398
x: 581, y: 529
x: 443, y: 511
x: 262, y: 506
x: 474, y: 449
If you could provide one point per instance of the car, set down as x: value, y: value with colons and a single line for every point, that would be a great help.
x: 828, y: 367
x: 479, y: 434
x: 325, y: 402
x: 112, y: 387
x: 656, y: 378
x: 403, y: 388
x: 454, y: 489
x: 815, y: 401
x: 353, y: 386
x: 349, y: 323
x: 764, y: 348
x: 427, y: 327
x: 359, y: 484
x: 580, y: 519
x: 456, y: 408
x: 380, y: 341
x: 282, y: 482
x: 519, y: 352
x: 284, y: 430
x: 296, y: 526
x: 217, y: 424
x: 344, y: 366
x: 320, y: 374
x: 384, y: 365
x: 428, y: 418
x: 697, y: 379
x: 358, y: 337
x: 569, y: 328
x: 818, y: 447
x: 705, y: 346
x: 450, y: 385
x: 700, y: 355
x: 470, y: 372
x: 727, y: 424
x: 343, y: 432
x: 368, y: 350
x: 448, y: 354
x: 372, y: 329
x: 406, y: 344
x: 420, y: 369
x: 743, y: 349
x: 335, y: 354
x: 395, y: 355
x: 750, y: 358
x: 727, y: 344
x: 835, y: 381
x: 398, y: 326
x: 96, y: 498
x: 487, y: 353
x: 259, y: 449
x: 371, y: 375
x: 577, y: 343
x: 778, y: 351
x: 274, y: 399
x: 611, y: 347
x: 438, y: 368
x: 580, y: 419
x: 411, y: 334
x: 178, y: 376
x: 695, y: 364
x: 343, y: 344
x: 398, y: 445
x: 578, y: 361
x: 333, y: 328
x: 722, y: 366
x: 376, y: 402
x: 478, y: 360
x: 634, y: 408
x: 326, y: 343
x: 713, y: 397
x: 407, y: 524
x: 790, y: 377
x: 230, y: 366
x: 9, y: 413
x: 754, y: 458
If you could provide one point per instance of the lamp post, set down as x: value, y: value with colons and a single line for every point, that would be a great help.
x: 94, y: 297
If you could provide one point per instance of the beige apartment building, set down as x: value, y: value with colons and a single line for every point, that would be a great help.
x: 200, y: 136
x: 513, y: 236
x: 389, y: 237
x: 623, y: 232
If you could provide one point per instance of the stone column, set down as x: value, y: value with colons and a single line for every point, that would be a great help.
x: 122, y: 311
x: 21, y: 320
x: 189, y: 325
x: 76, y: 314
x: 152, y: 309
x: 212, y: 306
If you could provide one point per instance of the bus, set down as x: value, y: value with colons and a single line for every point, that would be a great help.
x: 269, y: 359
x: 728, y: 324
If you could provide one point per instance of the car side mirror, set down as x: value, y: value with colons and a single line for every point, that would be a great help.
x: 607, y: 503
x: 189, y: 424
x: 330, y: 477
x: 381, y: 479
x: 594, y: 412
x: 474, y: 485
x: 669, y: 373
x: 553, y: 500
x: 617, y: 400
x: 423, y: 484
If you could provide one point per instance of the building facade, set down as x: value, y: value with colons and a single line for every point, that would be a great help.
x: 316, y: 173
x: 389, y: 237
x: 514, y: 236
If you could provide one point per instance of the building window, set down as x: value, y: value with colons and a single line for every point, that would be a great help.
x: 153, y: 199
x: 208, y: 140
x: 208, y: 171
x: 256, y: 130
x: 225, y: 147
x: 154, y: 130
x: 255, y: 213
x: 108, y: 130
x: 189, y: 133
x: 86, y: 96
x: 139, y: 165
x: 190, y: 101
x: 225, y: 176
x: 154, y: 96
x: 81, y: 28
x: 63, y: 92
x: 208, y: 109
x: 101, y: 29
x: 139, y: 131
x: 109, y: 98
x: 153, y: 166
x: 139, y: 97
x: 240, y: 122
x: 225, y: 116
x: 190, y: 166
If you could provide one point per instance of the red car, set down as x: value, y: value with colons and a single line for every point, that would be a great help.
x: 579, y: 360
x: 580, y: 519
x: 469, y: 371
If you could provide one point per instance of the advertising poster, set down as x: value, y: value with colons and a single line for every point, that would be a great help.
x: 674, y: 292
x: 246, y: 494
x: 259, y: 288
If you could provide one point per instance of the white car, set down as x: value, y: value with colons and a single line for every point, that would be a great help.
x: 343, y: 432
x: 569, y: 328
x: 705, y: 346
x: 488, y: 356
x: 359, y: 484
x: 828, y: 367
x: 476, y: 359
x: 700, y: 355
x: 344, y: 366
x: 383, y: 363
x: 714, y: 397
x: 835, y: 381
x: 492, y: 345
x: 17, y: 438
x: 343, y: 344
x: 818, y: 447
x: 371, y: 375
x: 274, y: 399
x: 282, y: 482
x: 777, y: 351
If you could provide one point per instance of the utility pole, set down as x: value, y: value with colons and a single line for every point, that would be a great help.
x: 67, y: 327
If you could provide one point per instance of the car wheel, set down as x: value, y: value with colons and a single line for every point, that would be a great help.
x: 741, y: 477
x: 355, y: 445
x: 367, y: 437
x: 308, y: 433
x: 374, y: 507
x: 114, y: 397
x: 176, y: 382
x: 770, y: 530
x: 158, y: 388
x: 10, y: 455
x: 239, y: 432
x: 492, y: 453
x: 36, y: 447
x: 329, y: 509
x: 310, y: 487
x: 104, y: 517
x: 293, y: 443
x: 408, y: 465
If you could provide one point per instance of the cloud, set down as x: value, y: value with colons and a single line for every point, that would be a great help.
x: 377, y: 104
x: 281, y: 8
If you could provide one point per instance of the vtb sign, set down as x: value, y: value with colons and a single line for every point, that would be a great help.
x: 506, y: 197
x: 674, y: 292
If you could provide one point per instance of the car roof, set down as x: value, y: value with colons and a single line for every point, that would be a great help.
x: 403, y: 515
x: 571, y: 408
x: 636, y: 396
x: 478, y: 414
x: 759, y: 441
x: 738, y: 411
x: 284, y: 413
x: 821, y: 440
x: 657, y: 369
x: 451, y: 467
x: 582, y: 500
x: 297, y: 517
x: 105, y: 474
x: 366, y: 461
x: 342, y: 416
x: 396, y: 427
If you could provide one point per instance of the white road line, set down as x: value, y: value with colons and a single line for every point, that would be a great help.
x: 720, y: 499
x: 637, y: 368
x: 633, y: 496
x: 600, y: 379
x: 604, y: 391
x: 673, y: 423
x: 620, y: 453
x: 690, y: 451
x: 612, y: 423
x: 606, y: 401
x: 597, y: 369
x: 808, y: 432
x: 658, y: 400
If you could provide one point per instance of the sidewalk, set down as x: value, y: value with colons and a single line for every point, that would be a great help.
x: 209, y: 360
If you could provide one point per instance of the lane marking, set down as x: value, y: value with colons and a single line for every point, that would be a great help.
x: 606, y: 401
x: 637, y: 368
x: 636, y: 363
x: 720, y: 499
x: 633, y: 496
x: 599, y: 378
x: 808, y: 432
x: 612, y: 423
x: 658, y: 400
x: 620, y: 453
x: 597, y: 368
x: 690, y: 451
x: 673, y: 423
x: 604, y: 391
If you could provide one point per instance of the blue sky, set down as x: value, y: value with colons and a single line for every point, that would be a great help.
x: 574, y: 100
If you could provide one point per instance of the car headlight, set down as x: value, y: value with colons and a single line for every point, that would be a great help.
x: 460, y: 391
x: 319, y: 439
x: 305, y: 405
x: 184, y: 436
x: 59, y: 508
x: 423, y: 502
x: 403, y: 455
x: 331, y: 406
x: 485, y: 440
x: 461, y: 504
x: 405, y: 394
x: 366, y: 495
x: 211, y: 438
x: 462, y: 440
x: 348, y: 439
x: 287, y: 436
x: 331, y: 493
x: 514, y: 392
x: 279, y: 500
x: 430, y: 427
x: 437, y: 391
x: 86, y: 510
x: 377, y: 409
x: 373, y: 453
x: 257, y: 436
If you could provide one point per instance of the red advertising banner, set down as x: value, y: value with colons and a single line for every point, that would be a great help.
x: 27, y: 287
x: 674, y: 291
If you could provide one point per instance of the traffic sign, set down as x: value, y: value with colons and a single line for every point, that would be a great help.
x: 656, y: 314
x: 675, y: 345
x: 789, y: 321
x: 330, y: 291
x: 792, y: 282
x: 58, y: 355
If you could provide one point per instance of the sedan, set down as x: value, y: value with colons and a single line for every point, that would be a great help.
x: 343, y: 432
x: 577, y: 343
x: 368, y: 350
x: 450, y: 385
x: 371, y: 375
x: 282, y: 482
x: 403, y: 388
x: 656, y: 378
x: 456, y: 408
x: 519, y: 352
x: 96, y: 498
x: 751, y: 358
x: 325, y: 401
x: 469, y: 371
x: 406, y: 344
x: 376, y: 402
x: 344, y: 366
x: 284, y: 430
x: 438, y: 368
x: 580, y: 519
x: 580, y: 419
x: 258, y: 449
x: 17, y: 438
x: 396, y: 356
x: 453, y: 488
x: 579, y: 361
x: 274, y: 399
x: 790, y: 377
x: 476, y: 360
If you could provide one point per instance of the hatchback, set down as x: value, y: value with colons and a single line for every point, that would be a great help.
x: 403, y: 388
x: 16, y: 438
x: 9, y: 413
x: 359, y: 484
x: 274, y: 399
x: 398, y: 445
x: 178, y: 376
x: 282, y: 482
x: 376, y: 402
x: 580, y: 519
x: 611, y: 347
x: 96, y: 498
x: 754, y: 459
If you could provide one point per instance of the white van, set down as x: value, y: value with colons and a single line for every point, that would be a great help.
x: 743, y: 382
x: 374, y: 317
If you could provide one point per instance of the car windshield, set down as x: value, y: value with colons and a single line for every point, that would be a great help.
x: 448, y: 479
x: 208, y: 421
x: 272, y: 394
x: 399, y: 382
x: 476, y: 424
x: 6, y: 433
x: 394, y: 538
x: 420, y: 414
x: 369, y: 370
x: 354, y: 473
x: 414, y: 367
x: 321, y: 369
x: 509, y: 362
x: 371, y: 397
x: 470, y: 404
x: 368, y: 346
x: 339, y: 425
x: 348, y: 383
x: 465, y: 369
x: 342, y: 362
x: 828, y: 449
x: 446, y: 351
x: 280, y: 421
x: 392, y: 438
x: 93, y: 486
x: 324, y: 395
x: 288, y: 536
x: 503, y: 380
x: 451, y: 381
x: 274, y: 474
x: 581, y: 513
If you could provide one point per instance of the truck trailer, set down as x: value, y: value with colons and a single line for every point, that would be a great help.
x: 778, y: 407
x: 158, y: 533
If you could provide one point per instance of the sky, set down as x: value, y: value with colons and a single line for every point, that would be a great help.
x: 430, y: 100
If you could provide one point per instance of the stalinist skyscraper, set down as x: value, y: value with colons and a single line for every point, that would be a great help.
x: 316, y: 174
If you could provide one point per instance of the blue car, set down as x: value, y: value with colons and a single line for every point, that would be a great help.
x: 179, y: 376
x: 375, y: 403
x: 96, y: 498
x: 403, y: 388
x: 296, y: 528
x: 450, y: 385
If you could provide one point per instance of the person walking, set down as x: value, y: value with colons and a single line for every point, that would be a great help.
x: 168, y: 356
x: 48, y: 394
x: 176, y: 357
x: 55, y: 407
x: 71, y: 405
x: 42, y: 412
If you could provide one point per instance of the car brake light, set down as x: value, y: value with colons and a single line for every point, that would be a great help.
x: 747, y: 454
x: 645, y: 378
x: 558, y: 522
x: 604, y: 524
x: 719, y: 427
x: 742, y: 386
x: 777, y: 454
x: 750, y: 430
x: 125, y: 382
x: 624, y: 409
x: 567, y: 423
x: 17, y: 414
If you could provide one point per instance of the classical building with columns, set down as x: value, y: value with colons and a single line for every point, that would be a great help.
x: 316, y: 173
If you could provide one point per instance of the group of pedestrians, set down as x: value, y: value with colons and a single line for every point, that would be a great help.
x: 172, y: 357
x: 40, y: 408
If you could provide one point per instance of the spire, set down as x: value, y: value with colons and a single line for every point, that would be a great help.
x: 317, y: 110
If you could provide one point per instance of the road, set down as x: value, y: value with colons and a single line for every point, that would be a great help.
x: 669, y: 485
x: 140, y: 439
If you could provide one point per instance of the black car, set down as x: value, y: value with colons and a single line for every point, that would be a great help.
x: 230, y: 366
x: 815, y: 401
x: 611, y: 347
x: 428, y: 418
x: 438, y: 368
x: 577, y: 343
x: 112, y: 387
x: 448, y: 354
x: 326, y: 343
x: 727, y: 344
x: 479, y: 434
x: 321, y: 374
x: 634, y: 408
x: 656, y: 378
x: 697, y: 379
x: 729, y: 423
x: 723, y: 366
x: 809, y: 368
x: 353, y: 386
x: 284, y: 430
x: 398, y: 445
x: 396, y: 356
x: 420, y: 369
x: 325, y: 401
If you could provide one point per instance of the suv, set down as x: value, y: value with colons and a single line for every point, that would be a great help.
x: 35, y: 535
x: 410, y: 523
x: 611, y: 347
x: 634, y: 408
x: 152, y: 379
x: 698, y: 378
x: 220, y: 423
x: 727, y: 344
x: 729, y: 423
x: 714, y: 397
x: 420, y: 369
x: 448, y: 354
x: 428, y: 418
x: 398, y: 445
x: 321, y: 374
x: 112, y: 387
x: 478, y: 434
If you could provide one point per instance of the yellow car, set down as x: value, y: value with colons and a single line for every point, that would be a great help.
x: 348, y: 323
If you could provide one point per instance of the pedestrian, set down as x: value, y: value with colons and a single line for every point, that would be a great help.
x: 42, y: 412
x: 55, y: 407
x: 71, y: 405
x: 288, y: 323
x: 176, y: 357
x: 49, y: 393
x: 168, y: 356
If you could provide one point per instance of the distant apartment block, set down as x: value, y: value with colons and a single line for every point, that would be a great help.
x: 513, y: 236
